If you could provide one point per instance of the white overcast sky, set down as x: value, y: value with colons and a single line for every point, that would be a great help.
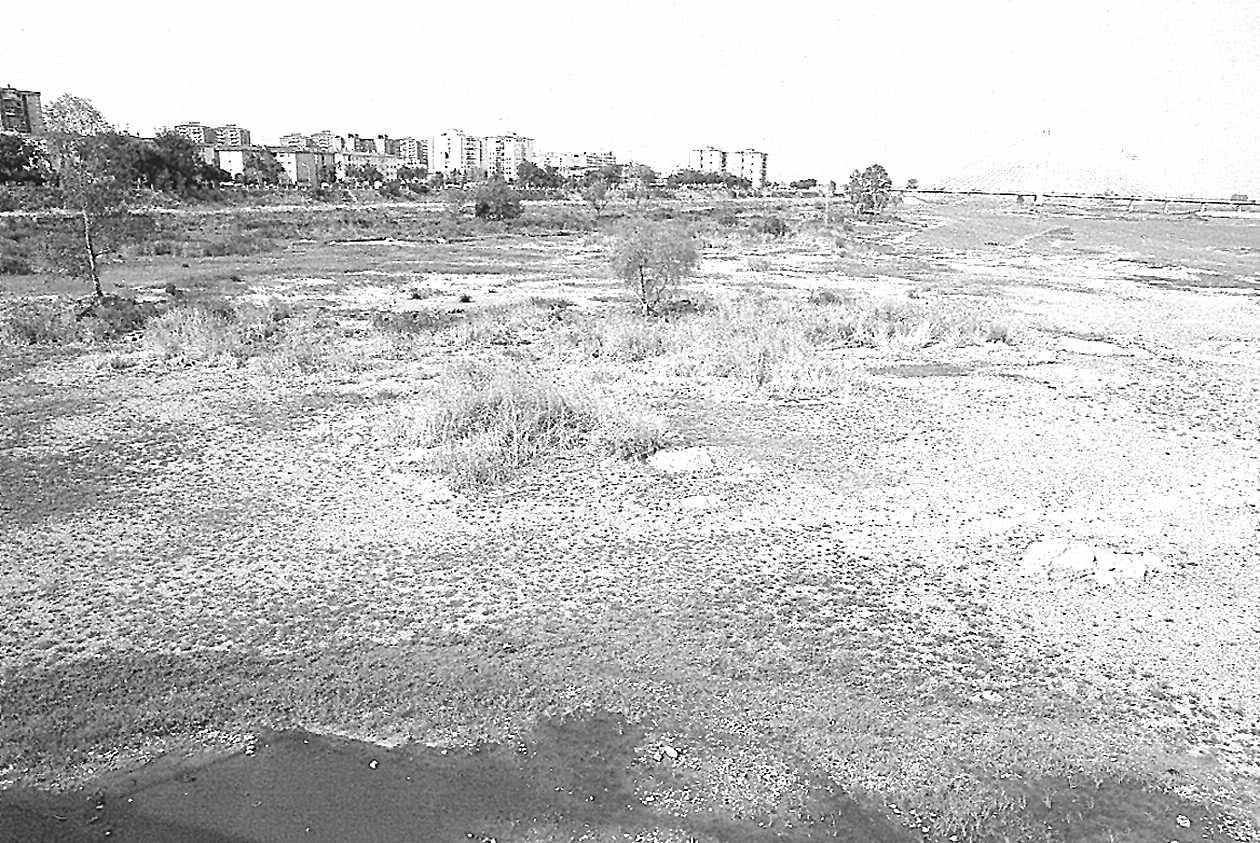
x: 925, y: 87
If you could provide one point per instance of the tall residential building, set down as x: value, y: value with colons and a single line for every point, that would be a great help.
x: 20, y: 111
x: 454, y: 151
x: 502, y: 154
x: 296, y: 140
x: 386, y: 145
x: 196, y: 133
x: 708, y: 159
x: 327, y: 141
x: 231, y: 135
x: 414, y: 152
x: 748, y: 164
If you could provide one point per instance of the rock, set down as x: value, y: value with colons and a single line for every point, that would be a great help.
x: 669, y: 752
x: 1078, y: 557
x: 1040, y: 554
x: 699, y: 502
x: 1129, y: 566
x: 681, y: 460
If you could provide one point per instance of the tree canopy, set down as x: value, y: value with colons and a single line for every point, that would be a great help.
x: 869, y: 190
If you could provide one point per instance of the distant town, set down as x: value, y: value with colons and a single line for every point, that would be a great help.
x: 454, y: 155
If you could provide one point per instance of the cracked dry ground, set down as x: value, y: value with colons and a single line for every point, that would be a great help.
x: 193, y: 557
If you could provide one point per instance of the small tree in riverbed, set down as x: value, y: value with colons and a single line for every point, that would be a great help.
x: 100, y: 204
x: 869, y: 190
x: 652, y: 258
x: 595, y: 194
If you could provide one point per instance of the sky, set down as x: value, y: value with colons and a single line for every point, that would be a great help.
x: 1168, y: 90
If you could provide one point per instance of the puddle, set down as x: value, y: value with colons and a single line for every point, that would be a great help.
x: 584, y: 777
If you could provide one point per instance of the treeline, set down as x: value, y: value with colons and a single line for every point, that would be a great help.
x: 168, y: 163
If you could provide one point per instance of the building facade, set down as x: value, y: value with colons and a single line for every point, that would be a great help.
x: 327, y: 141
x: 233, y: 160
x: 231, y: 135
x: 306, y: 167
x: 195, y: 133
x: 748, y: 164
x: 454, y: 151
x: 414, y: 152
x: 296, y: 140
x: 21, y: 112
x: 707, y: 159
x: 501, y: 155
x: 577, y: 164
x: 387, y: 165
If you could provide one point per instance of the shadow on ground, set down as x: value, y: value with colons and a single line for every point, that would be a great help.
x: 573, y: 778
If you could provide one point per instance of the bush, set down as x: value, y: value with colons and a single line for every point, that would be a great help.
x: 215, y: 332
x: 772, y: 226
x: 652, y: 258
x: 425, y: 321
x: 39, y: 324
x: 14, y: 265
x: 495, y: 200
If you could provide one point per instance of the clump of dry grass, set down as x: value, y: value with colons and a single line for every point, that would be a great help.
x: 267, y: 336
x: 486, y: 428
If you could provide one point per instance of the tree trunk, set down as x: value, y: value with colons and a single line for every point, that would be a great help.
x: 643, y: 294
x: 91, y: 256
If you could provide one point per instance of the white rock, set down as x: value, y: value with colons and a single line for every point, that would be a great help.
x: 1040, y: 554
x: 699, y: 502
x: 1078, y: 557
x: 1132, y: 567
x: 681, y: 460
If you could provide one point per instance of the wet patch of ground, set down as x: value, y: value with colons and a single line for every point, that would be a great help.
x: 586, y: 777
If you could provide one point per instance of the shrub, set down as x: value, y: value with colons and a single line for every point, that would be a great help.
x: 772, y: 226
x: 426, y: 321
x: 215, y: 332
x: 495, y: 200
x: 14, y: 265
x: 651, y: 258
x: 39, y: 324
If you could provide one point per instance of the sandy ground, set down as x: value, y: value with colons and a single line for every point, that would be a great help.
x: 190, y: 556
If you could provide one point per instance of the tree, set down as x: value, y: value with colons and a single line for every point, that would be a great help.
x: 365, y: 173
x: 640, y: 177
x: 262, y: 168
x: 529, y: 174
x: 804, y: 184
x: 455, y: 199
x: 101, y: 204
x: 595, y: 194
x: 76, y: 116
x: 869, y: 190
x: 21, y: 162
x: 912, y: 184
x: 495, y: 200
x: 651, y: 258
x: 408, y: 173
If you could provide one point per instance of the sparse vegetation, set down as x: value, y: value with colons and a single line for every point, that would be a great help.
x: 652, y: 258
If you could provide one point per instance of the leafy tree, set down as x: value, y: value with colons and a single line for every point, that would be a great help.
x: 640, y: 177
x: 365, y: 173
x: 595, y: 194
x: 912, y: 184
x: 71, y: 115
x: 262, y: 168
x: 437, y: 181
x: 101, y: 202
x: 455, y: 199
x: 652, y: 258
x: 495, y: 200
x: 610, y: 173
x: 869, y: 190
x: 804, y: 184
x: 408, y: 173
x: 21, y: 162
x: 529, y: 174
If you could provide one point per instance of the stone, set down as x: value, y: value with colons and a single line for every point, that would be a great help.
x: 699, y: 502
x: 1040, y: 554
x: 1130, y: 566
x: 681, y: 460
x: 1078, y: 557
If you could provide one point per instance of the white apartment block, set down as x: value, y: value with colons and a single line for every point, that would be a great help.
x: 748, y: 164
x: 305, y: 166
x: 501, y: 155
x: 577, y: 163
x: 327, y: 141
x: 296, y: 140
x: 454, y: 151
x: 414, y: 151
x: 195, y: 132
x: 231, y: 135
x: 388, y: 165
x: 707, y: 159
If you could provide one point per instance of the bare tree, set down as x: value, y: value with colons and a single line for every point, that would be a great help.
x: 652, y: 258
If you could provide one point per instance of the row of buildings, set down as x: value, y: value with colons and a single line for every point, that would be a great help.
x: 749, y: 164
x: 323, y: 156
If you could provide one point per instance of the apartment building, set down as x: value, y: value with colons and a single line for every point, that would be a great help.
x: 197, y: 133
x: 501, y: 155
x: 413, y: 152
x: 454, y: 151
x: 296, y: 140
x: 707, y: 159
x: 231, y: 135
x: 387, y: 165
x: 307, y: 167
x: 234, y: 159
x: 21, y: 112
x: 570, y: 164
x: 748, y: 164
x: 327, y: 141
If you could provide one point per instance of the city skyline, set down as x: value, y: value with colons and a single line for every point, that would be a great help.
x: 926, y: 89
